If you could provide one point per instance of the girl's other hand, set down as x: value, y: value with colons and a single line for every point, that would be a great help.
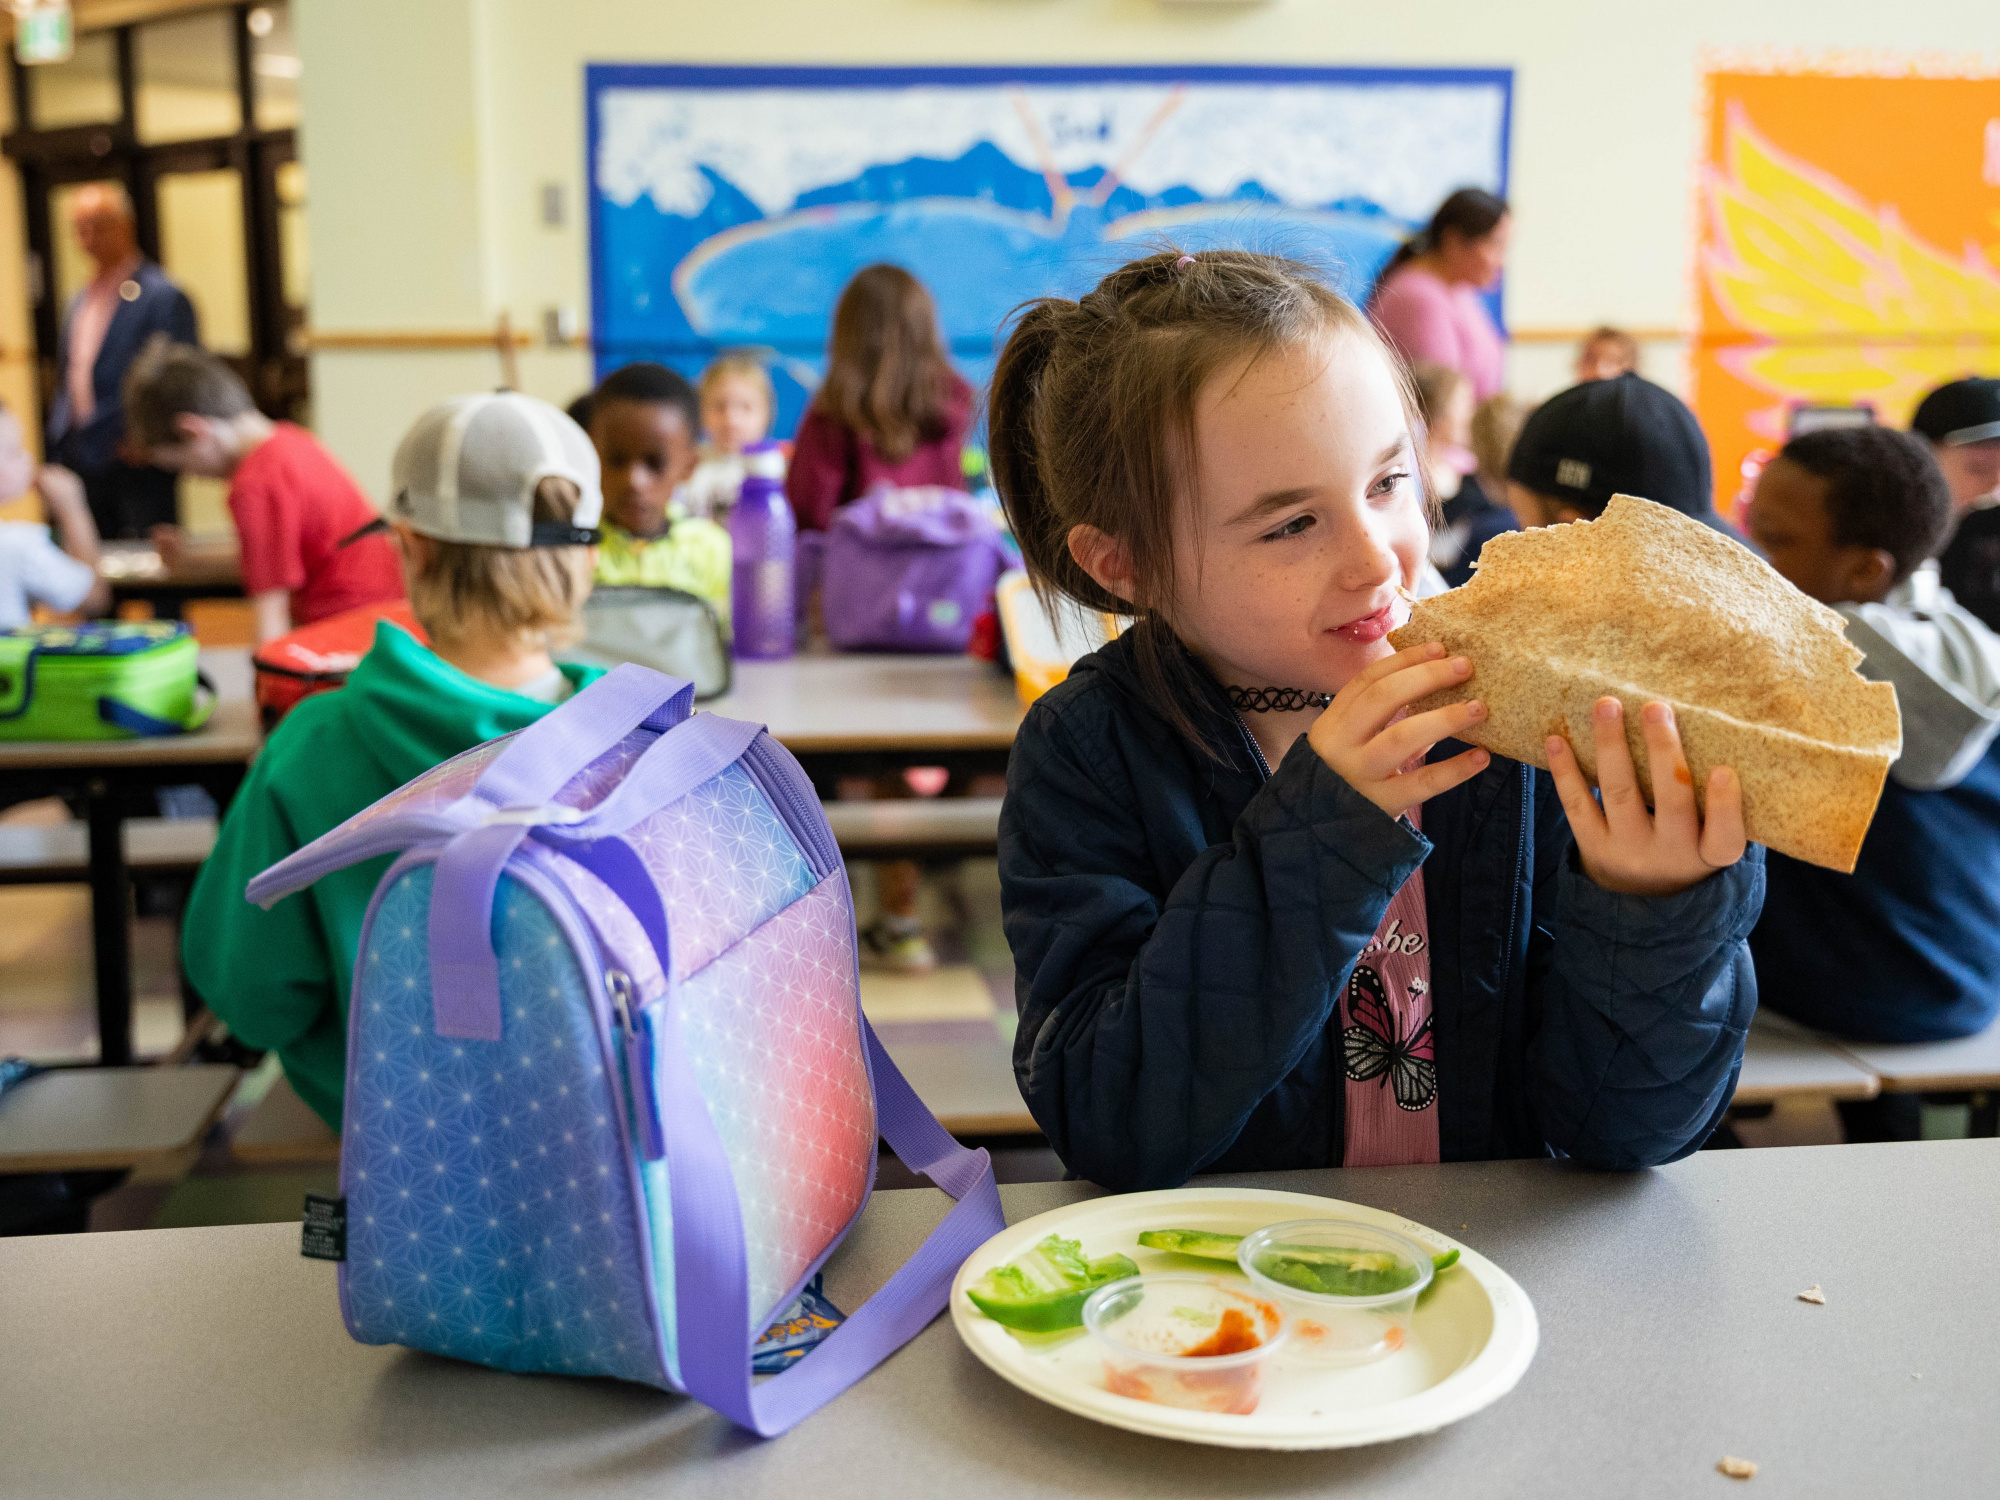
x: 1624, y: 847
x: 1362, y: 739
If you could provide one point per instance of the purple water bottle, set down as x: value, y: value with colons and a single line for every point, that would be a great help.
x: 763, y: 537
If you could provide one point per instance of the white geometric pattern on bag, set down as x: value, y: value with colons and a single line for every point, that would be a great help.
x: 772, y: 1032
x: 487, y: 1218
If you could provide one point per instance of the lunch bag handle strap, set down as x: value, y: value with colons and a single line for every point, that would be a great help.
x: 711, y: 1270
x: 465, y: 975
x: 541, y: 759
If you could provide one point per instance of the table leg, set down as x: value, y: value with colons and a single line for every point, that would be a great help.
x: 110, y: 924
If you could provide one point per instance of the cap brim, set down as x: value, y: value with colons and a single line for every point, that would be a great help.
x: 561, y: 534
x: 1985, y: 432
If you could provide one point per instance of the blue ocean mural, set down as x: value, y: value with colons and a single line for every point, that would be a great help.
x: 730, y: 205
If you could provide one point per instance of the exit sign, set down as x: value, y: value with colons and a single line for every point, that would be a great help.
x: 44, y: 31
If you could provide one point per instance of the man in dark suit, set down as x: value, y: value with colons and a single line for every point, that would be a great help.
x: 128, y: 301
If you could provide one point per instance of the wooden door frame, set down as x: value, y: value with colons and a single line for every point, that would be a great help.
x: 48, y: 159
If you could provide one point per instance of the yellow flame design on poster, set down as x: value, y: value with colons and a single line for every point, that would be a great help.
x: 1850, y: 250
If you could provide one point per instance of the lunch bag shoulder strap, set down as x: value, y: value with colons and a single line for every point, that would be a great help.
x: 711, y: 1278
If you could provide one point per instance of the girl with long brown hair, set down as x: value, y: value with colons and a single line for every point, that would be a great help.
x: 891, y: 409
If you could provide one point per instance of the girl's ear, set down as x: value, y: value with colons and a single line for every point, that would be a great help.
x: 1105, y: 558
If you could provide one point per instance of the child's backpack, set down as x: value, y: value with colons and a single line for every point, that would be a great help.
x: 316, y: 658
x: 909, y: 570
x: 107, y: 680
x: 669, y: 630
x: 611, y: 1099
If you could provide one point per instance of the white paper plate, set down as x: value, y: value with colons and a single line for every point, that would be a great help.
x: 1471, y: 1341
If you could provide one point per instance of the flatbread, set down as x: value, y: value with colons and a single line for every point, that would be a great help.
x: 1647, y: 604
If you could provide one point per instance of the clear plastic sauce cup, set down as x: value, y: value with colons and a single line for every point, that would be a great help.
x: 1184, y: 1340
x: 1348, y: 1290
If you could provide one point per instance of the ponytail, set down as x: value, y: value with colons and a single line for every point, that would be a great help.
x: 1014, y: 457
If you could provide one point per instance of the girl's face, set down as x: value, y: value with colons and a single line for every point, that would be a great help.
x: 1305, y: 520
x: 734, y: 414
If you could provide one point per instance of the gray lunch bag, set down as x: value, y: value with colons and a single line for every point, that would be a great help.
x: 666, y: 629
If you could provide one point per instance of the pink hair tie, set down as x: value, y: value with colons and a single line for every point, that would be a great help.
x: 1184, y: 262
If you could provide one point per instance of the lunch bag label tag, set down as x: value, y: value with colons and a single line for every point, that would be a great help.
x: 325, y: 1235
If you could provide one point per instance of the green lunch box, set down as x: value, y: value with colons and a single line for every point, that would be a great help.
x: 110, y: 680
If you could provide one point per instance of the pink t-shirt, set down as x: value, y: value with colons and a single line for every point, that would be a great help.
x: 1386, y: 1041
x: 1448, y: 325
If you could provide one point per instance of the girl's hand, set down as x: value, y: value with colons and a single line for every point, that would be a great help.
x: 1627, y: 849
x: 1362, y: 740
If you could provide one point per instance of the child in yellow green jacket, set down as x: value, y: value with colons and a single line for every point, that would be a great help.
x: 644, y: 419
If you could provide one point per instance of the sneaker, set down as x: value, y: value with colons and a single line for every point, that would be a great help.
x: 897, y: 944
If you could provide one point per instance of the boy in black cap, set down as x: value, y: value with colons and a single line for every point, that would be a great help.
x: 1907, y: 948
x: 1962, y: 422
x: 1624, y: 436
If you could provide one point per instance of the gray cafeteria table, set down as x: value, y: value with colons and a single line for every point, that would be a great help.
x: 93, y: 1119
x: 1971, y: 1062
x: 1783, y: 1060
x: 968, y: 1085
x: 212, y: 1362
x: 107, y: 774
x: 855, y: 715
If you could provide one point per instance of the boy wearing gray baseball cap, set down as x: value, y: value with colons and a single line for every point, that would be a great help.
x: 495, y: 508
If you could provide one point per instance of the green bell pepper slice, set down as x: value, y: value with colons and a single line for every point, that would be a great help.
x: 1043, y: 1290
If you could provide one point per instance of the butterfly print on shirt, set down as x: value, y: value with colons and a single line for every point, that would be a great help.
x: 1375, y: 1046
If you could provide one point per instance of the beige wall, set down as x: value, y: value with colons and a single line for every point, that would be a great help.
x: 427, y: 155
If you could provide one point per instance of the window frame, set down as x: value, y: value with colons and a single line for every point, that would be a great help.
x: 275, y: 369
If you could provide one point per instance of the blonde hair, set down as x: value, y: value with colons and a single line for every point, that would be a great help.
x: 532, y: 595
x: 1496, y: 425
x: 1626, y: 346
x: 740, y: 367
x: 1436, y: 384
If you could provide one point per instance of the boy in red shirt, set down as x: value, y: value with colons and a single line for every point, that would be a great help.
x: 292, y: 501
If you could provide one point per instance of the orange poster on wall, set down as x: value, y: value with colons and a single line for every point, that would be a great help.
x: 1849, y: 250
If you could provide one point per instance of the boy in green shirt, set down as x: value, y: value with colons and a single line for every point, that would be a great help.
x: 496, y: 502
x: 644, y: 419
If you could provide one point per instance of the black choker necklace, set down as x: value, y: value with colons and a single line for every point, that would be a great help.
x: 1269, y: 700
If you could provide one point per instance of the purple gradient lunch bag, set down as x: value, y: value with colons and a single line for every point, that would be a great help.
x: 611, y: 1099
x: 909, y: 570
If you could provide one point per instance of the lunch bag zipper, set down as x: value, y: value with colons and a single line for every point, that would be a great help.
x: 631, y: 1039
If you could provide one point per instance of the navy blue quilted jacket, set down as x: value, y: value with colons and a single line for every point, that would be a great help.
x: 1183, y: 927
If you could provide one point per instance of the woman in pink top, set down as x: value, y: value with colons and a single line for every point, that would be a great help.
x: 1427, y: 299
